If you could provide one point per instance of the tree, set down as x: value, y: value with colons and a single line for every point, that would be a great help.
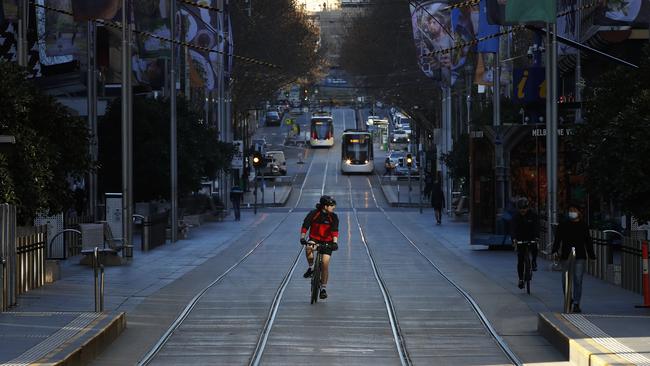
x: 614, y: 144
x: 51, y: 150
x: 200, y: 153
x: 457, y: 160
x: 276, y: 32
x: 379, y: 50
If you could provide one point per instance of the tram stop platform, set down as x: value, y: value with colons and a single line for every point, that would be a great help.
x: 598, y: 340
x: 56, y: 338
x: 273, y: 196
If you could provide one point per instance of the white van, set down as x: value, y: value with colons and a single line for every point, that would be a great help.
x: 277, y: 164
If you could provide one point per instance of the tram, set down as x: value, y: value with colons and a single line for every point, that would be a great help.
x: 322, y: 130
x: 356, y: 152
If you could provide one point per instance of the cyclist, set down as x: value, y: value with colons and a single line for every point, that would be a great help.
x: 323, y: 226
x: 524, y: 228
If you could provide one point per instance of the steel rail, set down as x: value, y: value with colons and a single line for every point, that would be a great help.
x: 149, y: 356
x: 477, y: 309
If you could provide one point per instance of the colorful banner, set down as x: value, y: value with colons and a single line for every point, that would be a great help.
x: 628, y: 12
x: 484, y: 69
x: 464, y: 27
x: 486, y: 29
x: 97, y: 9
x: 566, y: 26
x: 527, y: 11
x: 431, y: 32
x: 203, y: 28
x: 60, y: 38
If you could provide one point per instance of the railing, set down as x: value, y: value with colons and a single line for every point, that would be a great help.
x: 30, y: 257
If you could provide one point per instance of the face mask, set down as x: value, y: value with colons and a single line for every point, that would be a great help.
x: 573, y: 215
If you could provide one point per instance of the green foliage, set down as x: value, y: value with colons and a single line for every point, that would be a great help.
x: 276, y: 32
x: 51, y: 149
x: 458, y: 160
x: 615, y: 141
x: 200, y: 153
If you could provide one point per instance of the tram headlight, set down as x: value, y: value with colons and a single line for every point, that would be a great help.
x: 366, y: 161
x: 348, y: 161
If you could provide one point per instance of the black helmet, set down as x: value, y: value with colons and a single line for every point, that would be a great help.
x: 327, y: 201
x: 522, y: 203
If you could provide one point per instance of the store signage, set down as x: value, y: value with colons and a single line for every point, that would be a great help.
x: 540, y: 132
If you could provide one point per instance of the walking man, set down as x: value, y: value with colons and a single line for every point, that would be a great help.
x: 236, y: 197
x: 437, y: 201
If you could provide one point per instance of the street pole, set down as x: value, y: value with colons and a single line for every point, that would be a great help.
x: 255, y: 192
x: 23, y: 27
x: 578, y: 72
x: 499, y: 165
x: 410, y: 188
x: 92, y: 116
x: 553, y: 135
x: 127, y: 156
x: 173, y: 124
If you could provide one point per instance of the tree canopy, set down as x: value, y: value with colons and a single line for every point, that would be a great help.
x: 200, y: 154
x: 276, y: 32
x: 614, y: 143
x: 51, y: 151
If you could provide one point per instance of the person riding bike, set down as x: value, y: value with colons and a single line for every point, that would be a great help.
x: 525, y: 227
x: 323, y: 226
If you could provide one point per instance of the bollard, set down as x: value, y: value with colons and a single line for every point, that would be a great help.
x: 95, y: 270
x: 101, y: 288
x: 5, y: 303
x: 646, y: 276
x: 568, y: 281
x: 273, y: 194
x: 397, y: 194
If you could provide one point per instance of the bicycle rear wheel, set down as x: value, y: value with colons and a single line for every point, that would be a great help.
x: 315, y: 279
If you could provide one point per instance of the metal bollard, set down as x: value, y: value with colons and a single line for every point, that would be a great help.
x: 568, y: 281
x: 5, y: 293
x: 96, y: 283
x: 274, y: 194
x: 397, y: 194
x: 101, y: 288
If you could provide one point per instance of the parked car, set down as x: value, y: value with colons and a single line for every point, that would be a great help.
x: 276, y: 163
x: 273, y: 118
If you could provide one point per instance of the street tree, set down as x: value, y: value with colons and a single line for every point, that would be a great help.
x: 200, y: 153
x: 50, y: 156
x: 614, y: 143
x: 277, y: 33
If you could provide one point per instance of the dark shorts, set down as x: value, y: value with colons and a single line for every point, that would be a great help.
x: 326, y: 249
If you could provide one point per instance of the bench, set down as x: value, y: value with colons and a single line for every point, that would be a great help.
x: 100, y: 236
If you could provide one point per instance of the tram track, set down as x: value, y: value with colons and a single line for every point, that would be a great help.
x: 155, y: 349
x: 505, y: 348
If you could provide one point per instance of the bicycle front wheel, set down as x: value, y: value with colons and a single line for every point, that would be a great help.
x: 315, y: 279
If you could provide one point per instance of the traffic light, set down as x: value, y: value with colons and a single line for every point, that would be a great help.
x: 258, y: 160
x: 409, y: 160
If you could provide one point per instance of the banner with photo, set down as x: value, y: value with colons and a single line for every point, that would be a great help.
x: 151, y: 16
x: 486, y: 29
x: 464, y: 27
x: 97, y: 9
x: 202, y: 27
x: 60, y: 38
x: 431, y: 24
x: 566, y: 26
x: 627, y: 12
x: 8, y: 11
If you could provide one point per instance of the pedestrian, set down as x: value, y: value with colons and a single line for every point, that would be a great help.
x: 236, y: 197
x: 388, y: 167
x: 573, y: 234
x: 428, y: 186
x: 437, y: 201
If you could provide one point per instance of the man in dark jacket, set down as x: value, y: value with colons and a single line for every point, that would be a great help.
x: 524, y: 229
x: 437, y: 201
x: 236, y: 197
x: 574, y: 233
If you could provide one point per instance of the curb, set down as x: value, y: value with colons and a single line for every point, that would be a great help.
x: 579, y: 348
x: 88, y: 343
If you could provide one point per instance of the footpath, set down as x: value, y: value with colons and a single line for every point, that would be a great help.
x: 56, y: 324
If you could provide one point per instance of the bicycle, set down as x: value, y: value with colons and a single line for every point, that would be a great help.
x: 528, y: 268
x: 316, y: 280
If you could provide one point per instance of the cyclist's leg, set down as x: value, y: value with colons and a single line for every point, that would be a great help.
x: 309, y: 253
x: 521, y: 252
x: 325, y: 269
x: 533, y: 252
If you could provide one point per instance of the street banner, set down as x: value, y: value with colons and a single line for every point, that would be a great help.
x: 96, y: 9
x: 229, y: 45
x: 60, y: 38
x: 628, y: 12
x: 484, y: 69
x: 149, y: 59
x: 486, y: 29
x: 431, y: 24
x: 8, y: 11
x: 566, y: 26
x: 496, y: 12
x: 464, y: 28
x: 531, y: 11
x: 529, y: 85
x: 202, y: 28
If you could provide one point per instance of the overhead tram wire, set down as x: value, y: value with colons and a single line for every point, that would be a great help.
x: 181, y: 43
x: 207, y: 7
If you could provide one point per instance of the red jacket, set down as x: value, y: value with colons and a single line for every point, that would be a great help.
x: 322, y: 226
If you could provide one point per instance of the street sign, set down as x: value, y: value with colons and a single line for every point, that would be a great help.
x: 238, y: 157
